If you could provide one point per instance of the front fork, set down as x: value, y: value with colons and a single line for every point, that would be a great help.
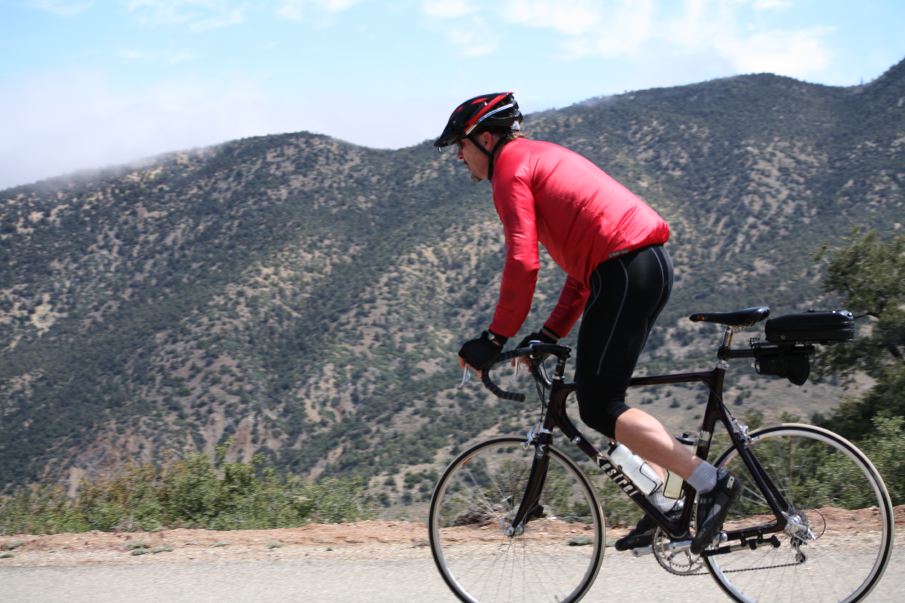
x: 540, y: 439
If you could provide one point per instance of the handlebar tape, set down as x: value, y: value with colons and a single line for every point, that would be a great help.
x: 493, y: 387
x: 535, y: 347
x: 500, y: 393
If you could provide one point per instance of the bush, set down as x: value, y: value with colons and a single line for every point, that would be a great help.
x: 195, y: 492
x: 885, y: 447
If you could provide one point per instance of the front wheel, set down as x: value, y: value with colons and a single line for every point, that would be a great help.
x: 839, y: 535
x: 483, y: 557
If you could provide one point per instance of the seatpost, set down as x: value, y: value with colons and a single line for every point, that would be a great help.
x: 723, y: 352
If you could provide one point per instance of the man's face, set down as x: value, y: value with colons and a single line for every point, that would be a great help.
x: 474, y: 158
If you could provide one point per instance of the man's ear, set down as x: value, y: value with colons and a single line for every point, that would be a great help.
x: 487, y: 140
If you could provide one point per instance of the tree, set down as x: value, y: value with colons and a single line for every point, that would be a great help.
x: 870, y: 274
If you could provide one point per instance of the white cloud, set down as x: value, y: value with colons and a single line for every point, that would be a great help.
x: 464, y: 26
x: 771, y: 4
x: 447, y: 9
x: 619, y: 29
x: 217, y: 21
x: 63, y: 121
x: 472, y: 41
x: 198, y: 15
x: 335, y: 6
x: 292, y: 11
x: 61, y: 8
x: 697, y: 28
x: 568, y: 17
x: 295, y: 10
x: 584, y: 27
x: 135, y: 55
x: 60, y: 122
x: 637, y: 29
x: 795, y: 53
x: 726, y: 32
x: 169, y: 58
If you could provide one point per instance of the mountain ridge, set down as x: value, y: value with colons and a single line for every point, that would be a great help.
x: 303, y: 298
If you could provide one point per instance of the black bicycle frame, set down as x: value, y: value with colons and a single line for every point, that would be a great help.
x: 677, y: 528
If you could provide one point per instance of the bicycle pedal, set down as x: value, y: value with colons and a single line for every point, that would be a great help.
x: 641, y: 551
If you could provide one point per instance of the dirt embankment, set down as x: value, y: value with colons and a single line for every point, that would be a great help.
x: 364, y: 540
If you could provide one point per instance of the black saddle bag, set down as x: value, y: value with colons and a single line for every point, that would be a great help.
x: 790, y: 339
x: 811, y: 327
x: 792, y: 361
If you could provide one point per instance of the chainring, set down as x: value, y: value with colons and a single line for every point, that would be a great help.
x: 680, y: 563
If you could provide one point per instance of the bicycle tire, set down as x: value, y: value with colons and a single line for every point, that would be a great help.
x: 831, y: 484
x: 555, y: 558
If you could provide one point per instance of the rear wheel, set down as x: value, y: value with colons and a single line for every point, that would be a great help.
x: 840, y: 532
x: 482, y: 557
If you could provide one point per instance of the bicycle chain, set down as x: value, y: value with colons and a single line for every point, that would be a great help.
x: 693, y: 560
x: 734, y: 571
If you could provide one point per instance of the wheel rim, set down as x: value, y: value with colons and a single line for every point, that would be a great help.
x: 837, y: 542
x: 555, y: 557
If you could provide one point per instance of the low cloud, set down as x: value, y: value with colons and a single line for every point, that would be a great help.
x: 57, y: 123
x: 62, y: 122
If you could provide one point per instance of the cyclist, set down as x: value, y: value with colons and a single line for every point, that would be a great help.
x: 619, y: 276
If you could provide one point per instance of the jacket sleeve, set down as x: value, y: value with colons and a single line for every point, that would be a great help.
x: 568, y: 309
x: 515, y: 206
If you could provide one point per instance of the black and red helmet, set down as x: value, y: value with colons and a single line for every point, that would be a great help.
x: 497, y: 111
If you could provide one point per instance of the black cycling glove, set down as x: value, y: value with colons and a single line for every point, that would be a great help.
x: 481, y: 353
x: 544, y: 336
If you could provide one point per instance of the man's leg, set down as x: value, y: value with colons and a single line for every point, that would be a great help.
x: 627, y: 295
x: 647, y: 438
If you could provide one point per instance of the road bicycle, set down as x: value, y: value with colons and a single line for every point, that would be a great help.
x: 516, y: 519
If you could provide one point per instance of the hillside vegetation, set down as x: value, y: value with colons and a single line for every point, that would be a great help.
x: 302, y: 298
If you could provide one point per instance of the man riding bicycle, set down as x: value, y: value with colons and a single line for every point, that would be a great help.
x: 610, y: 243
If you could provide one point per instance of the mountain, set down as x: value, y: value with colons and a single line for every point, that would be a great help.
x: 304, y: 298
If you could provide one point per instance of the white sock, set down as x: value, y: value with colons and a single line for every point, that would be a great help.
x: 703, y: 479
x: 659, y: 500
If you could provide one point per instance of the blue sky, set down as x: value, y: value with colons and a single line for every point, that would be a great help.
x: 88, y: 84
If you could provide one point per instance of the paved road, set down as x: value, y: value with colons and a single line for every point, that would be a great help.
x: 622, y: 578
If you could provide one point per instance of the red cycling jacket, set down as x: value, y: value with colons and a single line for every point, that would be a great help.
x: 546, y: 193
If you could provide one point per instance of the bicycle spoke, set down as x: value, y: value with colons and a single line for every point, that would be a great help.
x: 829, y: 561
x: 480, y: 560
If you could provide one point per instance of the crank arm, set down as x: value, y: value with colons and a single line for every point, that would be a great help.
x: 676, y: 546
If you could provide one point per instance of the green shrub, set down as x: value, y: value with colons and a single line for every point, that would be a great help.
x: 885, y: 447
x: 196, y: 492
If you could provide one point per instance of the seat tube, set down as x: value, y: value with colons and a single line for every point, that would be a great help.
x: 712, y: 413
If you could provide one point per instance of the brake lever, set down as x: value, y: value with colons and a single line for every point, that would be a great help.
x: 466, y: 377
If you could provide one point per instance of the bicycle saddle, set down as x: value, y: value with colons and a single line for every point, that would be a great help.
x: 739, y: 318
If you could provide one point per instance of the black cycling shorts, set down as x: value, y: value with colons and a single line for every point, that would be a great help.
x: 627, y: 294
